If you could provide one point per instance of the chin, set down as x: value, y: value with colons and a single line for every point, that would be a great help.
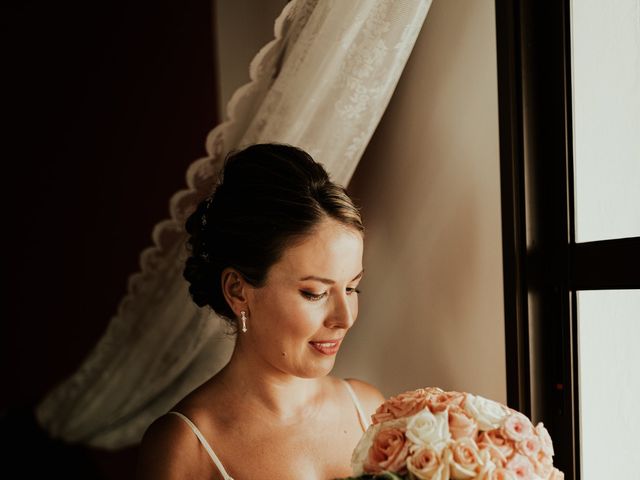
x: 316, y: 371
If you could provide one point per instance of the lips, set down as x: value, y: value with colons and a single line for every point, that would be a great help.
x: 327, y: 347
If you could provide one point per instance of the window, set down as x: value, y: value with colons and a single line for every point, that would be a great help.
x: 560, y: 282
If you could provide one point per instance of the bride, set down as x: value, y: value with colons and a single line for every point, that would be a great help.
x: 276, y: 250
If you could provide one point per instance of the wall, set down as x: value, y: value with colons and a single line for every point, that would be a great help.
x: 241, y: 28
x: 431, y: 311
x: 107, y: 105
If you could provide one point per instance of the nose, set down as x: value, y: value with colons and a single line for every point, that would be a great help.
x: 343, y: 313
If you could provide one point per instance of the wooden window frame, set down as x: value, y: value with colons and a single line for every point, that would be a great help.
x: 543, y: 266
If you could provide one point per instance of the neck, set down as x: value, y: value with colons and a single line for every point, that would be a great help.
x: 267, y: 390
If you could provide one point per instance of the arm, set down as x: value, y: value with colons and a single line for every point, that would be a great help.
x: 169, y: 451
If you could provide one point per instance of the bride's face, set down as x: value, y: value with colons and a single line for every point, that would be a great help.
x: 309, y: 300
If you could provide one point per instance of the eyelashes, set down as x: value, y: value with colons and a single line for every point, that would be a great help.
x: 315, y: 297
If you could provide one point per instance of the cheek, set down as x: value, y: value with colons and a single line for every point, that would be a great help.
x: 302, y: 320
x: 293, y: 317
x: 354, y: 306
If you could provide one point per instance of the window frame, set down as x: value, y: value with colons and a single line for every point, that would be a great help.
x: 543, y: 266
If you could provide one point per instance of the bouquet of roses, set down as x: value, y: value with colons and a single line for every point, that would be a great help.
x: 430, y: 434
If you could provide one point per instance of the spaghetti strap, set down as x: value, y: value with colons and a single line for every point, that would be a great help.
x: 206, y: 445
x: 364, y: 420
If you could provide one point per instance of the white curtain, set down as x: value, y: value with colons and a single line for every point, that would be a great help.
x: 323, y: 84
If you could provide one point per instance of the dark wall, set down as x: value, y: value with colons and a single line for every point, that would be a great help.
x: 105, y: 105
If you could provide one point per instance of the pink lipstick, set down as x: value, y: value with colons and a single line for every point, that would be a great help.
x: 329, y: 347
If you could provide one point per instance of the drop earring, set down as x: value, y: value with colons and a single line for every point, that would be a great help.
x: 244, y: 321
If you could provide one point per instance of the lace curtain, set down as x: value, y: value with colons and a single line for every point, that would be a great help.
x: 323, y: 84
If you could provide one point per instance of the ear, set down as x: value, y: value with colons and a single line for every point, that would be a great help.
x: 234, y: 290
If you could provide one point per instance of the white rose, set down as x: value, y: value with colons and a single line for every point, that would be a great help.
x: 556, y: 475
x: 545, y: 439
x: 430, y: 430
x: 487, y: 413
x: 361, y: 451
x: 485, y: 472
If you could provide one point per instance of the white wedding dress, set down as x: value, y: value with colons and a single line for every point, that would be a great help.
x: 364, y: 423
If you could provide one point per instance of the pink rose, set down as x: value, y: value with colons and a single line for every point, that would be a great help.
x: 432, y: 390
x: 426, y: 464
x: 464, y: 459
x: 400, y: 406
x: 529, y: 447
x: 517, y: 427
x: 501, y: 474
x: 522, y: 467
x: 437, y: 400
x: 500, y: 448
x: 461, y: 424
x: 389, y: 452
x: 543, y: 465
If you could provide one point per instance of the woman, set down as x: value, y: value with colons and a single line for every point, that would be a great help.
x: 277, y: 251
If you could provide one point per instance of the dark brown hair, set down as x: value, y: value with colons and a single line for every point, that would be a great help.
x: 266, y: 197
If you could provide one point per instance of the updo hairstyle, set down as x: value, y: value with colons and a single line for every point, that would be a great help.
x: 267, y: 197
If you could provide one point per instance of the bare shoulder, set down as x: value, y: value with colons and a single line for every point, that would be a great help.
x: 369, y: 395
x: 169, y: 450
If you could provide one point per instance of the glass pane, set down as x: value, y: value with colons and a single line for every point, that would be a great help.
x: 606, y: 118
x: 609, y: 381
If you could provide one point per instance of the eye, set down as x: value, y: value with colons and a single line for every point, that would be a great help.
x: 313, y: 296
x: 351, y: 290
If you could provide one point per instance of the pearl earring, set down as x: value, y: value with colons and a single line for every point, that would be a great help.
x: 244, y: 321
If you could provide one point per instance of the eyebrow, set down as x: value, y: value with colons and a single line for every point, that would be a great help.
x: 329, y: 281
